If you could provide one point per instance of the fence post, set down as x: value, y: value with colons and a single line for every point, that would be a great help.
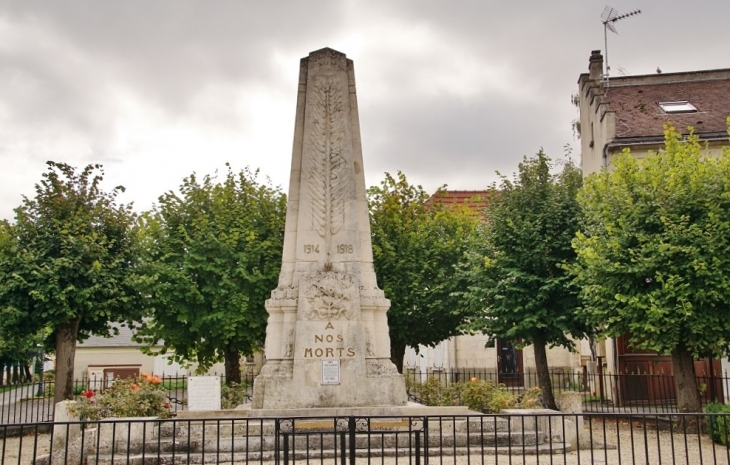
x: 276, y: 440
x: 286, y: 449
x: 351, y: 423
x: 425, y: 440
x: 343, y: 452
x: 599, y: 367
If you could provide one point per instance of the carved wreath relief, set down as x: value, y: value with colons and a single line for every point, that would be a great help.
x: 328, y: 172
x: 329, y: 296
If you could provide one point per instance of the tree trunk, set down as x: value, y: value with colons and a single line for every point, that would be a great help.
x: 233, y: 364
x: 543, y: 375
x: 397, y: 353
x: 16, y: 375
x: 28, y: 376
x: 65, y: 353
x: 685, y: 381
x: 2, y: 374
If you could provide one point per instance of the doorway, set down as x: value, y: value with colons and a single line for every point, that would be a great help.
x: 509, y: 364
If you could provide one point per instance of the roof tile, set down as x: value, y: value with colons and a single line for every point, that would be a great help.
x: 638, y: 113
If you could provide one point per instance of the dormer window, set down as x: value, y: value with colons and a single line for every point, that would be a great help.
x: 680, y: 106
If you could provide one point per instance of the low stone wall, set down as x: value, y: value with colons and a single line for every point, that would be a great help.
x: 113, y: 435
x: 554, y: 428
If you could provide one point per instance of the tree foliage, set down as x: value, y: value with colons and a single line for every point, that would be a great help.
x: 518, y: 289
x: 416, y: 246
x: 654, y: 254
x: 68, y: 263
x: 214, y: 254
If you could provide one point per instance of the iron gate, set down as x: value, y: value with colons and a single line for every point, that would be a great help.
x: 340, y: 438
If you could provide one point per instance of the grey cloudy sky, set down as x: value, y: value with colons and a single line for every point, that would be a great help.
x: 449, y: 92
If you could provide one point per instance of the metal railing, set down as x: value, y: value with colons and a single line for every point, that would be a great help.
x: 607, y: 392
x: 526, y: 437
x: 33, y: 402
x: 604, y: 392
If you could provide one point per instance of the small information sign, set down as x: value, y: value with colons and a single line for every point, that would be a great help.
x: 330, y: 371
x: 204, y: 393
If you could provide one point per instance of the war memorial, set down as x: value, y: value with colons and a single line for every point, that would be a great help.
x: 327, y: 342
x: 328, y: 390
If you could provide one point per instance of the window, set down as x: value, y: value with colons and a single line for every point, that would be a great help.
x: 681, y: 106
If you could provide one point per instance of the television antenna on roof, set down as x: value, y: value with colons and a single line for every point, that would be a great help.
x: 609, y: 16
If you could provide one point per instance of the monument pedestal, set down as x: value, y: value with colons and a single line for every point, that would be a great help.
x: 327, y: 341
x: 305, y: 391
x: 411, y: 409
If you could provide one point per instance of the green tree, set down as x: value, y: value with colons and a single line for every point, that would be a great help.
x: 517, y: 288
x: 68, y: 263
x: 214, y: 255
x: 416, y: 245
x: 16, y: 356
x: 654, y: 255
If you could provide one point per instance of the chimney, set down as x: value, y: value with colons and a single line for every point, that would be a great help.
x: 595, y: 66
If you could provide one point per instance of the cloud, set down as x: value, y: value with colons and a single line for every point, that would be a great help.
x: 447, y: 92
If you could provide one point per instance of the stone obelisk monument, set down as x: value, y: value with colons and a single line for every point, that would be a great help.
x: 327, y: 342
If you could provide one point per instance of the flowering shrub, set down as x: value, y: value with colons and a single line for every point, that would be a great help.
x: 133, y: 397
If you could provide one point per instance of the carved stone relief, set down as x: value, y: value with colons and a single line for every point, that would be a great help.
x: 373, y: 297
x: 283, y: 297
x: 328, y: 173
x: 368, y: 343
x: 289, y: 345
x: 378, y: 368
x: 329, y: 296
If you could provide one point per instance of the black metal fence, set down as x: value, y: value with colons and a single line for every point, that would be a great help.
x: 33, y: 402
x: 525, y: 437
x: 616, y: 393
x: 605, y: 392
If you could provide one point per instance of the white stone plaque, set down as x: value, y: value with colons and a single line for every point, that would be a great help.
x: 330, y: 371
x: 204, y: 393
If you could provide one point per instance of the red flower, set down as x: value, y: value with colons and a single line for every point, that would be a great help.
x: 167, y: 405
x: 89, y: 394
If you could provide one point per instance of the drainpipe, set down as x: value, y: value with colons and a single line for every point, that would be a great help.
x: 456, y: 352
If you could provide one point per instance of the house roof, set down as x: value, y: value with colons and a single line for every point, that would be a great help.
x: 124, y: 339
x: 636, y: 105
x: 474, y: 200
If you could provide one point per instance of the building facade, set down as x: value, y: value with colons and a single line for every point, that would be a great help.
x: 629, y: 112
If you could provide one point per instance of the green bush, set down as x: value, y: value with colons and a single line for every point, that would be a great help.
x: 532, y: 398
x: 485, y: 397
x: 431, y: 392
x: 133, y: 397
x: 234, y: 395
x: 480, y: 396
x: 718, y: 426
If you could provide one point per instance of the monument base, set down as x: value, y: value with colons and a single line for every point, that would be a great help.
x: 412, y: 409
x: 274, y: 390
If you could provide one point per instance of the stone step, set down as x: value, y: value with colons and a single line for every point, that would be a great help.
x: 243, y: 457
x: 326, y: 442
x: 236, y: 428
